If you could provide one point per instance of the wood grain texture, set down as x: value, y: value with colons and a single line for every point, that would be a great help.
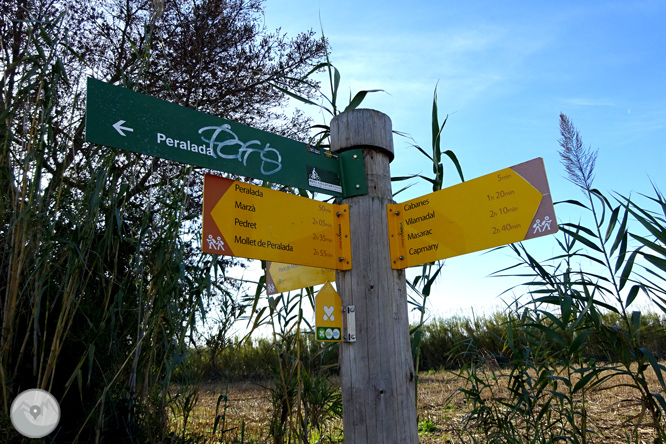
x: 377, y: 370
x: 362, y: 128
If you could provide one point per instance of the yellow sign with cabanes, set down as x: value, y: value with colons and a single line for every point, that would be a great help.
x: 510, y: 205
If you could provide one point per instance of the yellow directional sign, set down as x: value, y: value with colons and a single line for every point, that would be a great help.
x: 286, y: 277
x: 328, y: 315
x: 507, y: 206
x: 249, y: 221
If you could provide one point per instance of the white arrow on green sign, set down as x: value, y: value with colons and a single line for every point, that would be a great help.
x: 125, y: 119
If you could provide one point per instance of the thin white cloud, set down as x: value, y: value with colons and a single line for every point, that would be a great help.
x: 584, y: 101
x: 467, y: 63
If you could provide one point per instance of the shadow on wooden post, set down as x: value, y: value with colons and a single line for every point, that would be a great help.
x: 376, y: 371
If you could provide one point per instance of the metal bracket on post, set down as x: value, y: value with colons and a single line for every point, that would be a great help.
x: 350, y: 324
x: 352, y: 172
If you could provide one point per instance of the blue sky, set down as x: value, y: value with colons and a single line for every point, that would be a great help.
x: 504, y: 70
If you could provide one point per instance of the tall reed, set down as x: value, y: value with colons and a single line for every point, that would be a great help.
x: 100, y: 287
x: 550, y: 337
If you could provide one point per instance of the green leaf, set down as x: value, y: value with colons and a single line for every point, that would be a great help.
x: 550, y: 333
x: 553, y: 318
x: 582, y: 255
x: 300, y: 98
x: 438, y: 153
x: 335, y: 85
x: 431, y: 281
x: 624, y: 278
x: 632, y: 295
x: 622, y: 254
x: 621, y: 234
x: 579, y: 227
x: 652, y: 225
x: 601, y: 197
x: 544, y: 409
x: 579, y: 341
x: 651, y: 245
x: 403, y: 189
x: 658, y: 368
x: 432, y: 181
x: 401, y: 178
x: 359, y: 97
x: 656, y: 261
x: 454, y: 159
x: 315, y: 69
x: 611, y: 223
x: 660, y: 400
x: 435, y: 130
x: 325, y: 128
x: 580, y: 239
x: 572, y: 202
x: 566, y: 308
x: 423, y: 152
x: 582, y: 383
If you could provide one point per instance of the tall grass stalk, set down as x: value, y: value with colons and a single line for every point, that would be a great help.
x: 422, y: 284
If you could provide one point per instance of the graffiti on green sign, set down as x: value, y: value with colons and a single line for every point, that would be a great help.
x: 224, y: 143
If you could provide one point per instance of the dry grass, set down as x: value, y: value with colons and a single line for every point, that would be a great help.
x: 612, y: 411
x: 247, y: 413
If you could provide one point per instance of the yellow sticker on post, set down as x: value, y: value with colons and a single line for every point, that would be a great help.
x: 328, y: 315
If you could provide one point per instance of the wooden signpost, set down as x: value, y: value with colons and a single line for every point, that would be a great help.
x: 382, y: 237
x: 376, y: 370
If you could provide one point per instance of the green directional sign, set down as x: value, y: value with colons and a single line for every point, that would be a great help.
x: 122, y: 118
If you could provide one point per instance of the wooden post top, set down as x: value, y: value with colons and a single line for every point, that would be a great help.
x: 362, y: 127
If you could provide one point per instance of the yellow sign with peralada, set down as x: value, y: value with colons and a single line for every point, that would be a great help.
x: 328, y: 315
x: 510, y: 205
x: 240, y: 219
